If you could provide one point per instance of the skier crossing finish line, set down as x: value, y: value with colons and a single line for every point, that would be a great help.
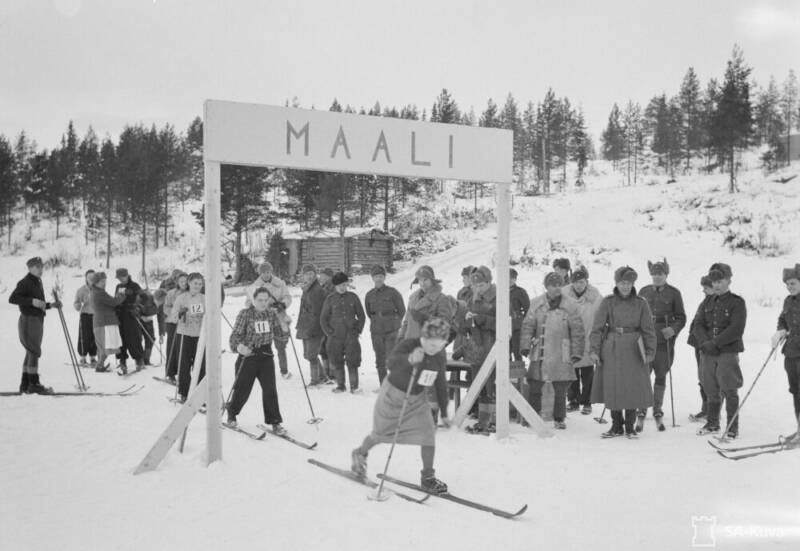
x: 419, y: 358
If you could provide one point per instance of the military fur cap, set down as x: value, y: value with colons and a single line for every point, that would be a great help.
x: 658, y: 267
x: 791, y: 273
x: 625, y: 273
x: 719, y: 271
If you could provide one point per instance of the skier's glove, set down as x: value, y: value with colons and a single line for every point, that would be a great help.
x: 779, y: 335
x: 668, y: 333
x: 710, y: 348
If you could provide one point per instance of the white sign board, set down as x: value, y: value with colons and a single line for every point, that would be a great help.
x: 264, y: 135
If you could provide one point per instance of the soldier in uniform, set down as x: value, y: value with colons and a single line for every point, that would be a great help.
x: 789, y: 329
x: 327, y: 375
x: 519, y: 303
x: 385, y: 309
x: 718, y: 328
x: 342, y: 319
x: 669, y: 317
x: 708, y: 290
x: 308, y: 327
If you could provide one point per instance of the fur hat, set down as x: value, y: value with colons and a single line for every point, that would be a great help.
x: 705, y: 281
x: 265, y: 267
x: 562, y: 263
x: 121, y: 272
x: 97, y: 277
x: 791, y: 273
x: 467, y: 270
x: 553, y: 279
x: 481, y: 275
x: 339, y: 278
x: 425, y: 272
x: 658, y: 267
x: 625, y: 273
x: 377, y: 269
x: 435, y: 328
x: 327, y: 271
x: 309, y: 268
x: 719, y: 271
x: 580, y: 273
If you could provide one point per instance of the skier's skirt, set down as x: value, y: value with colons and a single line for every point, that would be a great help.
x: 111, y: 337
x: 417, y: 427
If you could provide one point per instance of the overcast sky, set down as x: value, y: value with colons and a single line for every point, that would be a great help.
x: 112, y: 62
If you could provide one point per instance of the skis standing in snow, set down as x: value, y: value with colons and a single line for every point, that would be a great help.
x: 622, y: 381
x: 588, y: 298
x: 128, y: 326
x: 29, y: 296
x: 251, y: 338
x: 86, y: 343
x: 669, y: 317
x: 708, y: 291
x: 280, y: 300
x: 342, y: 319
x: 719, y: 327
x: 105, y: 322
x: 190, y: 308
x: 308, y: 327
x: 385, y: 309
x: 423, y: 356
x: 789, y: 329
x: 554, y: 332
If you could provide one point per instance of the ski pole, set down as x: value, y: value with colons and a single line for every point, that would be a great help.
x: 227, y: 320
x: 178, y: 371
x: 397, y: 429
x: 724, y: 437
x: 73, y: 358
x: 669, y: 370
x: 314, y: 419
x: 239, y: 369
x: 600, y: 419
x: 147, y: 334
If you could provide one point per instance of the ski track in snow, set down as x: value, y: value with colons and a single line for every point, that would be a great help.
x: 66, y: 463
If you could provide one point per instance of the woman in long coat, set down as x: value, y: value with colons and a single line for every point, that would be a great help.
x: 623, y: 342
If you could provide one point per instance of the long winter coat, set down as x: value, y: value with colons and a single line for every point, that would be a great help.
x: 308, y: 326
x: 588, y: 303
x: 622, y: 380
x: 482, y: 326
x: 554, y: 337
x: 423, y: 305
x: 104, y: 307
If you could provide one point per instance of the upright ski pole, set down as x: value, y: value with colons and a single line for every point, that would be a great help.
x: 671, y: 395
x: 600, y: 419
x: 72, y: 356
x: 397, y: 430
x: 149, y: 338
x: 314, y: 419
x: 724, y: 436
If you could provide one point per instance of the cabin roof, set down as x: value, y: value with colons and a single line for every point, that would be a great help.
x: 332, y: 233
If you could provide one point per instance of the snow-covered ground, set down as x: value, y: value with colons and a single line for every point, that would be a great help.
x: 66, y: 463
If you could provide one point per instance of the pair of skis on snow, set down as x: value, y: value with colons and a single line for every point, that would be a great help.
x: 753, y: 451
x: 130, y: 391
x: 447, y: 496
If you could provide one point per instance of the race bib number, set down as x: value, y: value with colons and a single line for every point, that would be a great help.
x: 261, y: 327
x: 427, y: 377
x: 196, y: 309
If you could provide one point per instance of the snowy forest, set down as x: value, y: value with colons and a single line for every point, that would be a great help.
x: 132, y: 185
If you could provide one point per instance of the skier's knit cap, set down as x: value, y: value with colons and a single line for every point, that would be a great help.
x: 309, y: 268
x: 425, y: 272
x: 512, y: 273
x: 705, y: 281
x: 122, y: 272
x: 625, y: 273
x: 467, y: 270
x: 580, y: 273
x: 720, y: 271
x: 435, y: 328
x: 562, y: 263
x: 97, y: 277
x: 481, y: 275
x: 339, y: 278
x: 265, y: 268
x: 377, y: 269
x: 327, y: 271
x: 658, y: 267
x: 791, y: 273
x: 35, y: 261
x: 553, y: 279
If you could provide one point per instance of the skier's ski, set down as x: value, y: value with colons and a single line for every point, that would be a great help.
x: 130, y: 391
x: 252, y: 435
x: 294, y: 441
x: 745, y: 448
x: 129, y: 373
x: 364, y: 480
x: 455, y: 499
x: 164, y: 380
x: 752, y: 454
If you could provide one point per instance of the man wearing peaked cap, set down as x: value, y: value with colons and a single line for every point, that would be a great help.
x: 718, y: 329
x: 385, y: 309
x: 669, y: 317
x: 708, y: 292
x: 342, y: 319
x: 789, y: 334
x: 128, y: 325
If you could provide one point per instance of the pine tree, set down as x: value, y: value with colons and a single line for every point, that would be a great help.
x: 88, y: 165
x: 104, y: 200
x: 445, y: 109
x: 9, y: 186
x: 510, y: 120
x: 691, y: 123
x: 489, y: 117
x: 529, y: 137
x: 581, y: 144
x: 769, y: 124
x: 788, y: 101
x: 613, y: 138
x: 732, y: 121
x: 632, y: 132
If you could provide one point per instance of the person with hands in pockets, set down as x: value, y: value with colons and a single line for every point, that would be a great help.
x: 251, y: 338
x: 414, y: 365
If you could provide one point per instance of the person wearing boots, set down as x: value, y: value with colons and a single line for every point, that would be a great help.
x: 251, y: 338
x: 789, y: 330
x: 190, y: 308
x: 342, y: 319
x: 553, y: 330
x: 128, y: 325
x: 519, y: 303
x: 422, y: 359
x: 385, y: 310
x: 719, y: 328
x: 308, y: 327
x: 463, y: 298
x: 708, y: 290
x: 328, y: 377
x: 86, y: 344
x: 105, y: 323
x: 171, y: 319
x: 669, y: 317
x: 28, y: 295
x: 146, y: 311
x: 280, y: 301
x: 623, y: 343
x: 587, y: 297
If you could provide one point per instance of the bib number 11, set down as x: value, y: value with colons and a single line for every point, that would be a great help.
x: 262, y: 327
x: 427, y: 377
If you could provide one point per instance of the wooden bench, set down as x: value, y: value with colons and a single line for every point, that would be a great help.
x: 516, y: 374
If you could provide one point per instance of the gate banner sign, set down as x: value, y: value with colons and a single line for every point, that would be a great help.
x: 265, y: 135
